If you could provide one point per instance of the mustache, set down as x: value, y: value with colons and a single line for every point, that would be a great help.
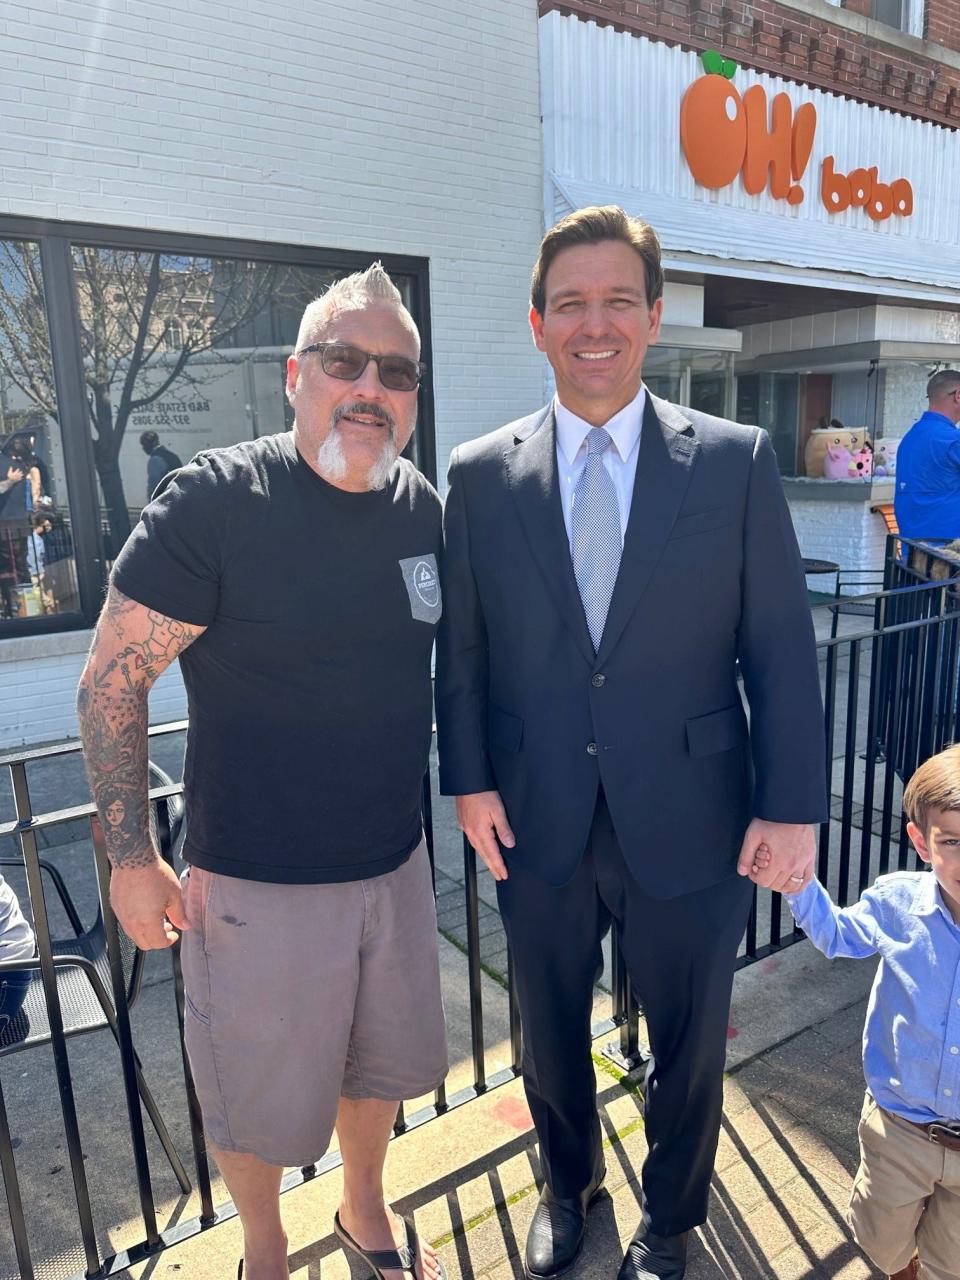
x: 376, y: 411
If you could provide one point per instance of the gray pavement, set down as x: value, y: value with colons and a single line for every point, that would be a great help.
x: 785, y: 1163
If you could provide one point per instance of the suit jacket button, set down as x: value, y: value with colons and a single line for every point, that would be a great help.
x: 598, y: 680
x: 592, y: 749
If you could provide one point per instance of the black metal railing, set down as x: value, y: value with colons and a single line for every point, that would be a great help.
x: 890, y: 691
x: 28, y: 828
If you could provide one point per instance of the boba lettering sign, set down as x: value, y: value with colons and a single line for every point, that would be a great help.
x: 724, y: 133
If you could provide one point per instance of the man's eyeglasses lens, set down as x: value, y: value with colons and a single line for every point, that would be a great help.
x: 397, y: 373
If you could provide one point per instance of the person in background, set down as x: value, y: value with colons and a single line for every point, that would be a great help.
x: 11, y: 474
x: 160, y: 460
x: 906, y: 1194
x: 927, y: 497
x: 36, y: 557
x: 16, y: 943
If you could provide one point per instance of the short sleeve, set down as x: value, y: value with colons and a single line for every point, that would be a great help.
x: 172, y: 560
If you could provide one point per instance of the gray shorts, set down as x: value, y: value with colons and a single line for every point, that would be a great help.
x: 298, y: 994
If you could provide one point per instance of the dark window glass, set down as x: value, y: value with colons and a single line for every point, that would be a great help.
x: 37, y: 569
x: 888, y: 11
x: 771, y: 401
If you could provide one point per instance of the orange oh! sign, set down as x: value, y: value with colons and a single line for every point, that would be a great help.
x: 724, y: 133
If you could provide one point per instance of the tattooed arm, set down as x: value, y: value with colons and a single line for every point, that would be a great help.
x: 133, y: 645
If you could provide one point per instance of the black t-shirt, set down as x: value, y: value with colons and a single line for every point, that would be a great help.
x: 309, y: 693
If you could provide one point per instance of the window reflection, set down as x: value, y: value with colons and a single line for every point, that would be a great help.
x: 188, y: 351
x: 37, y: 569
x: 688, y: 376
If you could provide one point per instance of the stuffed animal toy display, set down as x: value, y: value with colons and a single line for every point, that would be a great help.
x: 836, y: 436
x: 837, y: 463
x: 885, y: 458
x: 861, y: 464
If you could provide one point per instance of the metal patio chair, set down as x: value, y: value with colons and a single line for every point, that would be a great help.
x: 866, y: 584
x: 84, y: 985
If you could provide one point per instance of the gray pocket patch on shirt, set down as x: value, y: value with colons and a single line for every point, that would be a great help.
x: 422, y: 580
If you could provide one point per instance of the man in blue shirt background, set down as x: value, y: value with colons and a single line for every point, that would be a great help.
x: 906, y: 1195
x: 927, y: 499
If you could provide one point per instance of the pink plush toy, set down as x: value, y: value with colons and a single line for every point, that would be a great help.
x: 861, y: 464
x: 837, y: 463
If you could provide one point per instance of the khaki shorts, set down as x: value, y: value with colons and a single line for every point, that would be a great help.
x: 906, y: 1197
x: 298, y: 994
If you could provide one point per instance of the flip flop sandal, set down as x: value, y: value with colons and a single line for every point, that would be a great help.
x: 380, y: 1260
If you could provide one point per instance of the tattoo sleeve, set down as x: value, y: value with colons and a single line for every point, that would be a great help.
x: 132, y: 646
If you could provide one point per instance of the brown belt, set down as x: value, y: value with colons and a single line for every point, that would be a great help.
x: 944, y: 1135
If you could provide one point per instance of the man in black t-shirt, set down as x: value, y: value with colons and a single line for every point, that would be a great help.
x: 296, y: 578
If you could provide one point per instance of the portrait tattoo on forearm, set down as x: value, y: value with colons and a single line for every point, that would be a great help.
x: 132, y: 647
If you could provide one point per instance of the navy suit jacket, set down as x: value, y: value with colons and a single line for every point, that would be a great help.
x: 710, y: 576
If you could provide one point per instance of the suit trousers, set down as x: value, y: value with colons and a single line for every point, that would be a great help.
x: 680, y: 954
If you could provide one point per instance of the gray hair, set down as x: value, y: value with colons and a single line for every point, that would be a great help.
x: 352, y: 293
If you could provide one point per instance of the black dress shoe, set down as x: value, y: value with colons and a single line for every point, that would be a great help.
x: 653, y: 1257
x: 556, y: 1233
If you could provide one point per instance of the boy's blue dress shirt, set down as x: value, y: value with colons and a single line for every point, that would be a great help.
x: 911, y: 1039
x: 926, y: 498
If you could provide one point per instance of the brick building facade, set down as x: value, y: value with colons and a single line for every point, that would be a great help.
x: 805, y: 41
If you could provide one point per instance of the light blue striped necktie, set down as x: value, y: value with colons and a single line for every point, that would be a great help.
x: 597, y: 540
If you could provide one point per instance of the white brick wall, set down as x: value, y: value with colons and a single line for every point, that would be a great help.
x: 388, y: 126
x: 38, y: 689
x: 904, y: 397
x: 848, y: 533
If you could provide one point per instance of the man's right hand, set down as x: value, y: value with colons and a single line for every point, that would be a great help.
x: 483, y: 820
x: 149, y: 904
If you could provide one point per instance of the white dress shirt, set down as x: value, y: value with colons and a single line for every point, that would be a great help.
x: 620, y: 460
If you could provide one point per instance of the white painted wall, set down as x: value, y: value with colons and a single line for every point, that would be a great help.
x: 411, y: 127
x: 38, y: 688
x: 848, y: 533
x: 830, y: 329
x: 904, y: 397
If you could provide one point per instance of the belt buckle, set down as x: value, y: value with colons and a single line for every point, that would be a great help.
x: 943, y: 1134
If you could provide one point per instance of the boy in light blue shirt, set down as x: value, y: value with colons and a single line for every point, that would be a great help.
x: 905, y: 1205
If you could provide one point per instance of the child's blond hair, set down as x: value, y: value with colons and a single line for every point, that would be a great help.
x: 935, y: 785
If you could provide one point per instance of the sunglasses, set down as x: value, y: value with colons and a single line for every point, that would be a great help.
x: 339, y: 360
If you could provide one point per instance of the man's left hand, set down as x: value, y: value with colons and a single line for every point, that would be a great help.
x: 788, y: 864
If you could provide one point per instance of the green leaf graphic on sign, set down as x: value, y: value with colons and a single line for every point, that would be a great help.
x: 729, y: 68
x: 712, y: 62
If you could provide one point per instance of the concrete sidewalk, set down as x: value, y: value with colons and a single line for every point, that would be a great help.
x: 787, y: 1153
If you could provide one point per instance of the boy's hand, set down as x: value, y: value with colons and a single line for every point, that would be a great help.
x: 778, y: 855
x: 762, y: 858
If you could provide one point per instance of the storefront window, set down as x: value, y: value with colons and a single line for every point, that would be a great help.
x: 771, y: 401
x: 181, y: 353
x: 700, y: 379
x: 123, y: 354
x: 37, y: 568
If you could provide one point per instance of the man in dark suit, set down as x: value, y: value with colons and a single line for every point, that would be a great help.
x: 608, y: 560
